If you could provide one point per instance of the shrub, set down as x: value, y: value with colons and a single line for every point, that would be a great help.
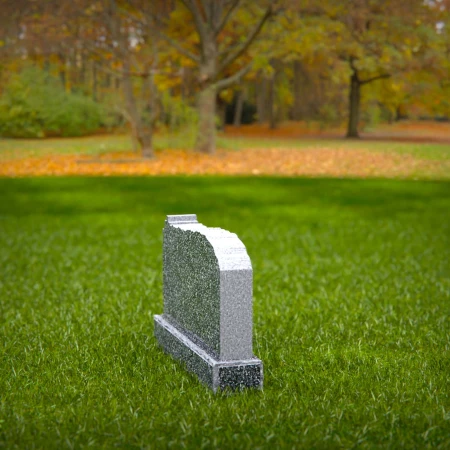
x: 177, y: 113
x: 34, y: 104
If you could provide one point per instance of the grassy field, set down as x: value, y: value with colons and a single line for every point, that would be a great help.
x: 351, y: 313
x: 94, y: 145
x: 277, y: 154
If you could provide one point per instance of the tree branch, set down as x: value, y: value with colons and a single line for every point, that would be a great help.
x: 227, y: 82
x: 193, y: 8
x: 158, y: 24
x: 377, y: 77
x: 216, y: 11
x: 177, y: 46
x: 227, y: 17
x: 351, y: 61
x: 252, y: 36
x: 206, y: 11
x: 366, y: 45
x: 104, y: 69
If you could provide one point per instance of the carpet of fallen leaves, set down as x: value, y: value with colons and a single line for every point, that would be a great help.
x: 322, y: 161
x: 407, y: 131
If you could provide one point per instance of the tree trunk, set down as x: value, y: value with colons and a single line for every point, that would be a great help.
x: 206, y: 137
x: 94, y: 80
x: 401, y: 112
x: 82, y: 69
x: 297, y: 107
x: 209, y: 19
x: 261, y: 100
x: 140, y: 135
x: 62, y: 76
x: 71, y: 73
x: 62, y: 70
x: 354, y: 102
x: 207, y: 99
x: 145, y: 139
x: 239, y: 106
x: 147, y: 147
x: 222, y: 113
x: 271, y: 104
x: 391, y: 117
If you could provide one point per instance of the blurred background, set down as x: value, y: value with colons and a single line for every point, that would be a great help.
x: 287, y: 69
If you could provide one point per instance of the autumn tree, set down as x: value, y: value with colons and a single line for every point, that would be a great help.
x: 377, y: 39
x: 143, y: 56
x: 116, y: 45
x: 369, y: 40
x: 216, y: 46
x: 298, y: 67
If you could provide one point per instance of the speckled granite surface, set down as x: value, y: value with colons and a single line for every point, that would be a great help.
x: 207, y: 319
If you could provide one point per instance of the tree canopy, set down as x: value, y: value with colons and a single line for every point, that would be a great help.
x: 187, y: 62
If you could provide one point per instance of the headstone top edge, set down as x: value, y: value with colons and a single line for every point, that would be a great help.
x: 229, y: 250
x: 181, y: 219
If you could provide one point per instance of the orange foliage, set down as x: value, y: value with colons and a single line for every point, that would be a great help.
x: 315, y: 161
x: 404, y: 131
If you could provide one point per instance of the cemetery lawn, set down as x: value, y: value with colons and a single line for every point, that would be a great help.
x: 351, y: 314
x: 111, y: 155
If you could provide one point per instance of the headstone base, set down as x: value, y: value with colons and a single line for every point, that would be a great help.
x: 214, y: 373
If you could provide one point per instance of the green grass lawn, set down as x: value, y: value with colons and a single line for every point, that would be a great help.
x: 94, y: 145
x: 351, y: 314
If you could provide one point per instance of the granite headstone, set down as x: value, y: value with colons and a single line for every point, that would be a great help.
x: 207, y: 289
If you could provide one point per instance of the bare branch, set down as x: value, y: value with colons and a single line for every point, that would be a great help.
x: 158, y: 24
x: 227, y: 16
x: 131, y: 73
x: 351, y: 61
x: 176, y: 45
x: 377, y: 77
x: 245, y: 45
x: 227, y: 82
x: 216, y: 12
x: 206, y: 10
x: 193, y: 8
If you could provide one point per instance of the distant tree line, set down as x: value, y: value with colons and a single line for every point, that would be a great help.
x: 206, y: 62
